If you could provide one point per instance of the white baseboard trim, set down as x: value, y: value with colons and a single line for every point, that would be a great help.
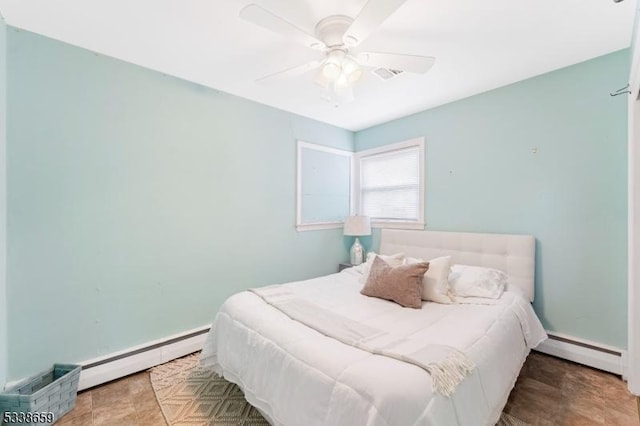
x: 592, y: 354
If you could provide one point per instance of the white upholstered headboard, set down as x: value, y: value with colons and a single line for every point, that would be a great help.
x: 513, y: 254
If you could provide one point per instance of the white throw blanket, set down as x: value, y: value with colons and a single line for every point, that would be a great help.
x: 447, y: 365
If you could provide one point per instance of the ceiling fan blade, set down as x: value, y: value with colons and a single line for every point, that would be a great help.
x: 374, y: 13
x: 290, y: 72
x: 263, y: 18
x: 409, y: 63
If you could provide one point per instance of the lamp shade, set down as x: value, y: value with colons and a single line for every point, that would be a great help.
x: 357, y: 226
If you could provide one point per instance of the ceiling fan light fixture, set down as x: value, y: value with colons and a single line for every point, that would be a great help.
x: 355, y: 75
x: 349, y: 65
x: 351, y: 69
x: 342, y: 82
x: 321, y: 80
x: 332, y: 66
x: 336, y: 56
x: 337, y: 74
x: 331, y: 71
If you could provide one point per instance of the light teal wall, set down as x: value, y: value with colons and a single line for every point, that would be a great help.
x: 482, y: 176
x: 138, y: 202
x: 3, y: 205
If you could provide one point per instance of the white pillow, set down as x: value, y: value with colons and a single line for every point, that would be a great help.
x: 477, y: 281
x: 435, y: 283
x: 392, y: 260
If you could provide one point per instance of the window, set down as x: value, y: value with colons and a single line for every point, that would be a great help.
x: 323, y: 187
x: 390, y: 185
x: 386, y: 184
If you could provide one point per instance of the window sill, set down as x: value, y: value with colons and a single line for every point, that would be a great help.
x: 319, y: 226
x: 397, y: 225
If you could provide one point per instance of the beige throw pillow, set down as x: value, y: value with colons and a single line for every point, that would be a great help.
x: 392, y: 260
x: 402, y: 284
x: 435, y: 283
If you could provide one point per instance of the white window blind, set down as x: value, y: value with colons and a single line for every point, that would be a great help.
x: 390, y: 185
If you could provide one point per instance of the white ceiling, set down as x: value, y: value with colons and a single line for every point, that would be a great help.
x: 479, y: 45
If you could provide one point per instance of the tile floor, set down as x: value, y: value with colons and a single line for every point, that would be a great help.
x: 549, y: 391
x: 129, y: 401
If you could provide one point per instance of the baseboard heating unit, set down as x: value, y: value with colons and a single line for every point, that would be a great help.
x: 113, y: 366
x: 596, y: 355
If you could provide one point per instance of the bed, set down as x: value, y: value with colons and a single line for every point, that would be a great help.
x: 295, y: 375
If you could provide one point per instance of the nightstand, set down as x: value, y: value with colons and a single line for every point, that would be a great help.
x: 344, y: 266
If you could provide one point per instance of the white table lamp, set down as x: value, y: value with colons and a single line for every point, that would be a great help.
x: 357, y: 226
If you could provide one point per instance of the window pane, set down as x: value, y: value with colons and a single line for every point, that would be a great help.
x: 391, y: 169
x: 401, y: 203
x: 325, y: 186
x: 390, y: 185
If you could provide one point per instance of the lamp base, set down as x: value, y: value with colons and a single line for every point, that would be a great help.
x: 357, y: 253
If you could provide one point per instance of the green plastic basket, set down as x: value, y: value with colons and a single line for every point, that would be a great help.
x: 52, y: 391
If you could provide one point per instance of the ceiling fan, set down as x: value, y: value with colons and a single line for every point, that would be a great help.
x: 338, y: 37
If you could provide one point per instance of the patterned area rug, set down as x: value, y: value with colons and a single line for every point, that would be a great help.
x: 189, y: 395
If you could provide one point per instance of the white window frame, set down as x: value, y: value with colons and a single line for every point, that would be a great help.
x: 394, y: 224
x: 320, y: 225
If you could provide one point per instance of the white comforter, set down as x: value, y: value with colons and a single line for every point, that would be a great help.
x: 297, y: 376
